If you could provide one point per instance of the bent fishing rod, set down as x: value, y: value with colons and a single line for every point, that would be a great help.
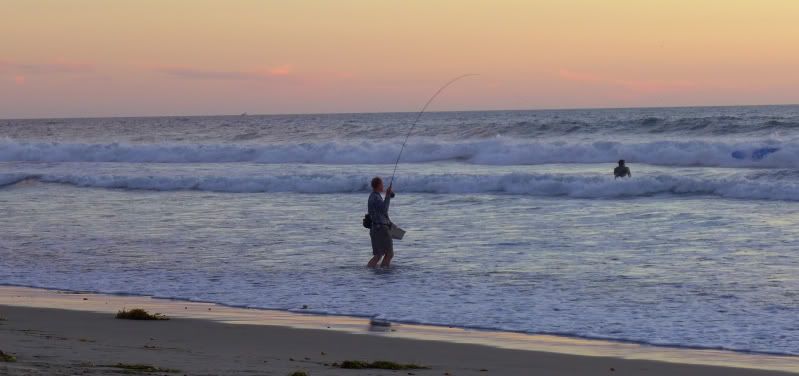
x: 418, y: 116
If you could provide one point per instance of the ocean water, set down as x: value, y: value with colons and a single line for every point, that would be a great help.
x: 514, y: 219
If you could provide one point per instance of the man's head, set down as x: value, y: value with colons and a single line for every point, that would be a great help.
x: 377, y: 184
x: 621, y: 162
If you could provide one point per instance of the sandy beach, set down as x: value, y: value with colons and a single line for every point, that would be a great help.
x: 78, y: 334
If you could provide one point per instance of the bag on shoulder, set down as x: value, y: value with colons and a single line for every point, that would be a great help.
x: 367, y: 221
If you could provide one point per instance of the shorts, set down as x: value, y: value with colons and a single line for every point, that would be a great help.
x: 382, y: 243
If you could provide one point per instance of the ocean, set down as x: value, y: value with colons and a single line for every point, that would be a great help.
x: 514, y: 219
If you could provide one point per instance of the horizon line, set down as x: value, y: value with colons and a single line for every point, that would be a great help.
x: 245, y: 114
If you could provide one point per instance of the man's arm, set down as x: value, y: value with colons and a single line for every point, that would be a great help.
x: 387, y: 200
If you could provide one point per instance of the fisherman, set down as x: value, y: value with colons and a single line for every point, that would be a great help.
x: 621, y: 171
x: 382, y: 243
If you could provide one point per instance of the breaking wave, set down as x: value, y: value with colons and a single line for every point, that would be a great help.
x: 493, y: 151
x: 756, y: 186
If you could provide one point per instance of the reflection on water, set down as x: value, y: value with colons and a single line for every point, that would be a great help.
x: 694, y: 271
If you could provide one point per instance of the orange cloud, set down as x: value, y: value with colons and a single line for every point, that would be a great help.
x: 209, y: 74
x: 56, y: 66
x: 20, y: 80
x: 282, y: 70
x: 646, y: 86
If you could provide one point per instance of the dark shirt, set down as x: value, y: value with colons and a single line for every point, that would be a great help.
x: 622, y: 171
x: 378, y: 209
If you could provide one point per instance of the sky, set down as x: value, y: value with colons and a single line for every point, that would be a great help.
x: 197, y: 57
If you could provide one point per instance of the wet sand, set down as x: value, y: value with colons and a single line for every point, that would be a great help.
x: 62, y: 333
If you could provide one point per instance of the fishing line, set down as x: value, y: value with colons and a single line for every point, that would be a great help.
x: 418, y: 116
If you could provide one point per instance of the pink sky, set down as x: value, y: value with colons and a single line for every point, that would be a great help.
x: 132, y: 58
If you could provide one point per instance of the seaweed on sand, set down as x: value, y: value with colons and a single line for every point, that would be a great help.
x: 142, y: 368
x: 379, y: 364
x: 139, y: 314
x: 7, y: 357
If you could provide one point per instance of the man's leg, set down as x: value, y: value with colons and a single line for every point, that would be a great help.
x: 373, y: 262
x: 375, y: 246
x: 387, y: 259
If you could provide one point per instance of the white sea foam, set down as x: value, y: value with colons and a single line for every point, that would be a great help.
x: 576, y: 186
x: 494, y: 151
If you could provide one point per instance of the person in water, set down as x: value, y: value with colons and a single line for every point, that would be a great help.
x: 621, y: 171
x: 382, y: 243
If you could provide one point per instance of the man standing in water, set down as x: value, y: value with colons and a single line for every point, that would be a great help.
x: 382, y: 244
x: 622, y: 171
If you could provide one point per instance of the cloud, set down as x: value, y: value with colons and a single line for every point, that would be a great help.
x: 20, y: 80
x: 282, y: 70
x: 191, y: 73
x: 644, y: 86
x: 206, y: 74
x: 57, y: 66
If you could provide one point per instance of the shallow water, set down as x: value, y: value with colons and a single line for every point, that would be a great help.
x: 699, y: 255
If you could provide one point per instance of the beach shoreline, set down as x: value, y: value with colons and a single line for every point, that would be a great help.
x: 68, y: 332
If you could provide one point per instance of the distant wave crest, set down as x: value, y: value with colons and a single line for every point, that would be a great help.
x: 493, y: 151
x: 575, y: 186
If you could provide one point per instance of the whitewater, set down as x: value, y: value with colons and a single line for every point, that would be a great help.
x: 515, y: 220
x: 496, y: 151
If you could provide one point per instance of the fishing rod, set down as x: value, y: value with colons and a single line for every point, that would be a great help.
x: 418, y: 116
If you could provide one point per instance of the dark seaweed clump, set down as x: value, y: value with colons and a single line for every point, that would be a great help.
x: 142, y: 368
x: 379, y: 364
x: 139, y: 314
x: 7, y: 357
